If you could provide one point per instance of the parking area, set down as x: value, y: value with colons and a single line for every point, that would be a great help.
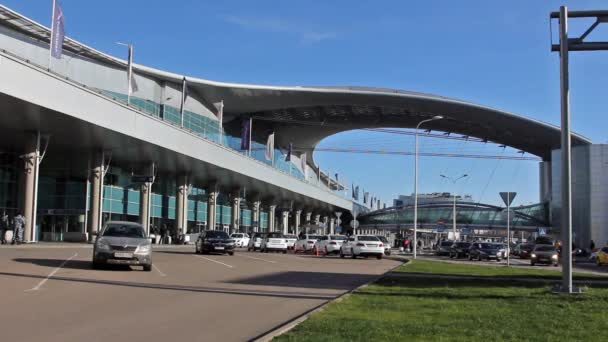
x: 52, y: 294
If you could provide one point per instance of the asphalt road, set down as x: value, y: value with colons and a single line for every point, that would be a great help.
x: 52, y: 294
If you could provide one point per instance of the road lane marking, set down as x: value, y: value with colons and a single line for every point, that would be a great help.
x: 159, y: 271
x: 219, y: 262
x: 37, y: 287
x: 254, y: 258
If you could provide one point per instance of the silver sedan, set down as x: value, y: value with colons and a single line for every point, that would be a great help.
x: 122, y: 243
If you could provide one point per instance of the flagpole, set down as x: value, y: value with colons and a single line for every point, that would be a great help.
x: 221, y: 121
x: 52, y: 29
x: 183, y: 104
x: 250, y: 128
x: 129, y: 73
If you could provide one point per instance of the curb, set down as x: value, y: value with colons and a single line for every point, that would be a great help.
x: 294, y: 322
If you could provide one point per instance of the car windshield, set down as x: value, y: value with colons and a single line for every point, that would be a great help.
x: 290, y: 236
x: 499, y: 245
x: 382, y: 238
x: 217, y: 235
x: 488, y: 246
x: 446, y: 243
x: 238, y: 236
x: 124, y: 230
x: 368, y: 238
x: 338, y: 237
x: 275, y: 235
x: 462, y: 244
x: 314, y: 237
x: 544, y: 248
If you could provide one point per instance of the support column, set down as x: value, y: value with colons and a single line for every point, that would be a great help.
x: 211, y: 203
x: 332, y: 226
x: 296, y: 221
x: 97, y: 174
x: 317, y: 219
x: 30, y: 180
x: 285, y: 216
x: 181, y: 210
x: 235, y: 215
x: 272, y: 217
x: 256, y: 216
x: 325, y: 224
x: 145, y: 199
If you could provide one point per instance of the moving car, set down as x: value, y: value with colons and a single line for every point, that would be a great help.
x: 330, y: 244
x: 240, y: 239
x: 459, y: 249
x: 601, y: 257
x: 214, y: 241
x: 444, y: 248
x: 544, y: 254
x: 122, y: 243
x: 362, y: 245
x: 274, y: 241
x: 387, y: 245
x: 291, y: 240
x: 255, y: 242
x: 502, y: 248
x: 485, y: 250
x: 523, y: 250
x: 306, y: 243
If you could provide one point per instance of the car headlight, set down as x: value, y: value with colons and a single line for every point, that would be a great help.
x: 554, y: 256
x: 499, y: 253
x: 143, y: 248
x: 533, y: 255
x: 103, y: 245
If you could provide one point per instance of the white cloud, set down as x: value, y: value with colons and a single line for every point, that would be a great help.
x: 305, y: 35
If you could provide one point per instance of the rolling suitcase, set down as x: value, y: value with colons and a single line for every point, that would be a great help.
x: 8, y: 236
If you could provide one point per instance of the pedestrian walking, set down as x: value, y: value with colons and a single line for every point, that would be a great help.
x: 18, y: 227
x: 4, y: 225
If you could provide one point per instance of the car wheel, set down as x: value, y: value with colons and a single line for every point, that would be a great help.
x: 470, y: 257
x: 555, y: 264
x: 379, y: 257
x: 532, y: 263
x: 231, y: 253
x: 352, y: 254
x: 285, y: 252
x: 498, y: 259
x: 479, y: 257
x: 95, y: 265
x: 451, y: 256
x: 248, y: 249
x: 147, y: 268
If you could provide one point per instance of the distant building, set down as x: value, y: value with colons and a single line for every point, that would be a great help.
x: 435, y: 197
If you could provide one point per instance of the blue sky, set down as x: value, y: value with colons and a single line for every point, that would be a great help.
x: 495, y: 53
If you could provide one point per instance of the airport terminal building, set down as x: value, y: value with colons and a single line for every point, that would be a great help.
x: 81, y: 143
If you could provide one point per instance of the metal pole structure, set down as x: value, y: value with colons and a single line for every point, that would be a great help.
x: 438, y: 117
x: 508, y: 229
x: 454, y: 180
x: 566, y: 209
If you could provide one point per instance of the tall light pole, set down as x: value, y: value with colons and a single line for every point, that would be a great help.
x: 454, y: 180
x: 436, y: 117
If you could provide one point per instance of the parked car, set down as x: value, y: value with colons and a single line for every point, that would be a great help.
x: 387, y: 245
x: 362, y: 245
x: 122, y: 243
x: 485, y: 250
x: 306, y: 243
x: 274, y: 241
x: 214, y: 241
x: 459, y: 249
x: 524, y: 250
x: 291, y: 240
x: 601, y: 257
x: 330, y: 244
x: 255, y: 242
x: 444, y: 248
x: 240, y: 239
x: 544, y: 254
x: 502, y: 248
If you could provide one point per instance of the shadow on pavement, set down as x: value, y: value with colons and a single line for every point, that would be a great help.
x: 317, y: 280
x: 72, y: 264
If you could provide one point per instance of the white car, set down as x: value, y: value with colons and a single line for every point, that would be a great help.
x: 255, y: 243
x: 240, y: 239
x: 274, y: 241
x: 291, y: 240
x: 330, y: 244
x: 362, y: 245
x: 387, y: 245
x: 306, y: 243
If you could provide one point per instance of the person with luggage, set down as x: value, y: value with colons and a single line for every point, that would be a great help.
x: 18, y: 226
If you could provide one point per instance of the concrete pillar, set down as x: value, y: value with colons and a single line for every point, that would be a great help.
x: 325, y: 224
x: 272, y: 217
x: 296, y: 220
x: 235, y: 214
x: 145, y: 194
x: 30, y: 180
x: 256, y: 215
x: 211, y: 203
x: 285, y: 224
x: 97, y: 174
x: 332, y: 226
x: 181, y: 204
x: 544, y: 178
x: 317, y: 219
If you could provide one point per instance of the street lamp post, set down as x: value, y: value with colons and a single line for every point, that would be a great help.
x: 454, y: 180
x: 436, y: 117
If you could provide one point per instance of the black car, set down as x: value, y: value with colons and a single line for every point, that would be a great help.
x: 459, y: 249
x: 214, y: 241
x: 443, y: 248
x: 485, y: 250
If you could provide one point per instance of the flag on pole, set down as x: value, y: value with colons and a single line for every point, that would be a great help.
x: 245, y: 134
x: 57, y: 30
x: 220, y: 114
x: 130, y: 77
x: 269, y: 153
x: 289, y: 151
x: 303, y: 165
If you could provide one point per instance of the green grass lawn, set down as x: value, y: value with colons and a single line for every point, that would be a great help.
x: 439, y: 267
x: 395, y: 309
